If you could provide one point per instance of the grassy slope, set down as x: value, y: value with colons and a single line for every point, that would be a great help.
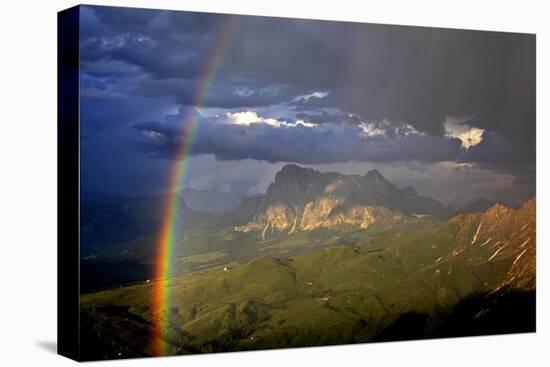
x: 343, y: 293
x: 131, y: 262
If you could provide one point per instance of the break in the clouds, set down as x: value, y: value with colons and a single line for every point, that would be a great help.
x: 247, y: 135
x: 247, y: 118
x: 459, y: 129
x: 307, y: 97
x: 305, y: 91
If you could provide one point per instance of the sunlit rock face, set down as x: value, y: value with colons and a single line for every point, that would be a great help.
x: 509, y: 236
x: 303, y: 199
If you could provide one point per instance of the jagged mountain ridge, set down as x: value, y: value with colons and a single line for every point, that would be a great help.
x: 479, y: 205
x: 305, y: 199
x: 507, y: 235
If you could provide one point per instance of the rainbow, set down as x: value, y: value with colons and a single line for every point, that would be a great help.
x: 163, y: 260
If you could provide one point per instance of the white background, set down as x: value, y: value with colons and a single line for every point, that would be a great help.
x: 28, y: 183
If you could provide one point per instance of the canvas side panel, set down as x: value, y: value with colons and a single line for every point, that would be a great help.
x: 68, y: 241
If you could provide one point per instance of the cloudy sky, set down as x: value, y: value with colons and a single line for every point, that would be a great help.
x: 450, y: 112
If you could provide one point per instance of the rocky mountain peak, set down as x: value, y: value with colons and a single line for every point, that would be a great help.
x: 479, y: 205
x: 291, y: 171
x: 375, y: 175
x: 304, y: 199
x: 293, y: 177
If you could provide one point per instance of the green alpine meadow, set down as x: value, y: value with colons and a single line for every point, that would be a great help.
x: 359, y: 272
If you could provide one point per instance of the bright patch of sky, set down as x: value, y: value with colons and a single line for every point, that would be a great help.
x: 307, y: 97
x: 459, y: 129
x: 247, y: 118
x: 369, y: 129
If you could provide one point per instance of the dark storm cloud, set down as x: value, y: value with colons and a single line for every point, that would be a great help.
x: 137, y: 65
x: 220, y: 94
x: 307, y: 145
x: 500, y: 153
x: 161, y: 44
x: 379, y: 98
x: 406, y: 74
x: 169, y: 51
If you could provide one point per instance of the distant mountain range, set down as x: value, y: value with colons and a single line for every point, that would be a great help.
x: 298, y: 199
x: 305, y: 199
x: 216, y: 201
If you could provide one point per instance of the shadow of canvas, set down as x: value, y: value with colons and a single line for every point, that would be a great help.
x: 50, y: 346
